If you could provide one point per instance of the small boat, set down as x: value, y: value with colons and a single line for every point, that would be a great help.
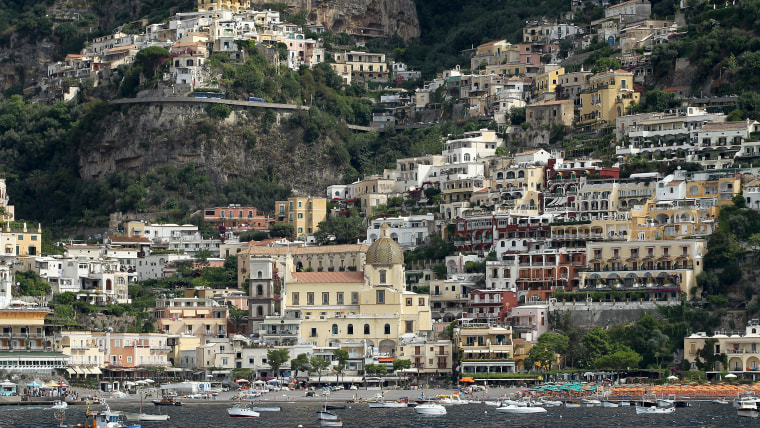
x: 450, y: 399
x: 325, y: 423
x: 625, y: 404
x: 335, y: 407
x: 386, y: 404
x: 327, y: 418
x: 145, y: 417
x: 590, y: 402
x: 268, y: 408
x: 654, y: 410
x: 748, y: 409
x: 608, y: 403
x: 550, y: 403
x: 167, y: 401
x: 107, y: 419
x: 60, y: 405
x: 521, y: 410
x: 572, y: 404
x: 242, y: 411
x: 720, y: 401
x: 430, y: 409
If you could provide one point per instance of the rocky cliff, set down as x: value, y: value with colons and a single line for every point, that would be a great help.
x: 141, y: 138
x: 369, y: 17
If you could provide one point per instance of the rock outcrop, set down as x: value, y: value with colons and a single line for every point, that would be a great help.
x: 142, y: 138
x: 362, y: 17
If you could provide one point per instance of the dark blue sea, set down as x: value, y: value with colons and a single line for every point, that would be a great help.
x: 206, y: 415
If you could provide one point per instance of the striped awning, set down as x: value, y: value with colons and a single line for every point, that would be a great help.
x: 70, y: 370
x: 95, y: 371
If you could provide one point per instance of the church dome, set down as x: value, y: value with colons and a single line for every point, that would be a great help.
x: 384, y: 251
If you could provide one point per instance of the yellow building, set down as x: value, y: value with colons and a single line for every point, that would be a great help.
x: 86, y: 353
x: 632, y: 265
x: 742, y: 350
x: 427, y: 357
x: 547, y: 81
x: 180, y: 343
x: 233, y: 5
x: 363, y: 65
x: 303, y: 212
x: 21, y: 241
x: 672, y: 219
x: 485, y: 349
x: 351, y: 307
x: 192, y: 316
x: 609, y: 96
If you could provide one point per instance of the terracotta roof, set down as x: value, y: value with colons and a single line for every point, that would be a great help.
x: 182, y: 45
x: 328, y: 277
x: 674, y: 88
x: 620, y: 70
x: 725, y: 126
x: 82, y: 247
x: 77, y: 56
x: 322, y: 249
x: 492, y: 43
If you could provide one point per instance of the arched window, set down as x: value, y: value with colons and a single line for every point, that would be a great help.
x: 350, y: 329
x: 366, y: 328
x: 335, y: 329
x: 521, y: 174
x: 260, y: 274
x: 259, y: 290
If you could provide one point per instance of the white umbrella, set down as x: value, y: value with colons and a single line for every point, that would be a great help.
x: 129, y: 383
x: 672, y: 377
x: 259, y: 382
x: 149, y: 380
x: 730, y: 376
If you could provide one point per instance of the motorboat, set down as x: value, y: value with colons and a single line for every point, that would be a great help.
x: 267, y: 408
x: 430, y: 409
x: 590, y: 402
x: 387, y: 404
x: 107, y: 419
x: 450, y: 399
x: 167, y: 401
x: 326, y: 415
x: 326, y: 423
x: 242, y: 411
x: 720, y: 401
x: 654, y: 410
x: 572, y: 404
x: 608, y: 403
x: 550, y: 403
x: 60, y: 405
x: 748, y: 409
x: 522, y: 410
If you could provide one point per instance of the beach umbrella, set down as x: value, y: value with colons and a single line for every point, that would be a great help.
x: 242, y: 381
x: 730, y: 376
x: 34, y: 384
x: 672, y: 377
x: 149, y: 381
x: 467, y: 380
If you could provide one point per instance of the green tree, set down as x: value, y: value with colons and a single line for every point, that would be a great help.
x: 300, y: 364
x: 623, y: 358
x: 343, y: 229
x: 341, y: 355
x: 723, y: 247
x: 238, y: 318
x: 604, y: 64
x: 399, y: 365
x: 151, y: 59
x: 596, y: 343
x: 276, y: 358
x: 656, y: 343
x: 544, y: 353
x: 281, y: 230
x: 318, y: 364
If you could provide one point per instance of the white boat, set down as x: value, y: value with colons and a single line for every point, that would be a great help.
x: 387, y: 404
x: 654, y: 410
x: 551, y: 403
x: 625, y: 404
x: 107, y: 419
x: 430, y: 409
x: 748, y: 409
x: 590, y: 402
x: 60, y: 405
x: 267, y: 409
x: 520, y: 410
x: 326, y: 423
x: 607, y: 403
x: 324, y: 415
x: 572, y: 404
x: 720, y: 401
x: 661, y: 402
x: 145, y: 417
x: 450, y: 399
x: 242, y: 411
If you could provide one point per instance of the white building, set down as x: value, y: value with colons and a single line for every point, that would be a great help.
x: 409, y: 232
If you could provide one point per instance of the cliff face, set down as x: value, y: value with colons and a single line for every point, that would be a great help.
x: 371, y: 17
x: 143, y: 138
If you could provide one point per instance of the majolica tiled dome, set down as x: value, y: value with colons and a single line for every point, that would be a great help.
x: 384, y: 251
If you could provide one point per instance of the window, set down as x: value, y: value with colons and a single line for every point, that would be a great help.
x: 340, y: 298
x: 408, y: 302
x: 325, y: 298
x: 380, y: 297
x: 366, y: 328
x: 313, y: 332
x: 382, y: 277
x: 310, y: 298
x: 295, y: 299
x: 409, y: 326
x: 335, y: 329
x: 422, y: 301
x: 354, y: 298
x: 387, y: 329
x: 350, y: 329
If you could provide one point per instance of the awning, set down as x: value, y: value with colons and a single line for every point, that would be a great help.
x: 95, y: 371
x: 85, y: 370
x: 70, y: 370
x: 77, y: 370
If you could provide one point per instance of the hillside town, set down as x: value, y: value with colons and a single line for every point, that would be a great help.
x: 538, y: 231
